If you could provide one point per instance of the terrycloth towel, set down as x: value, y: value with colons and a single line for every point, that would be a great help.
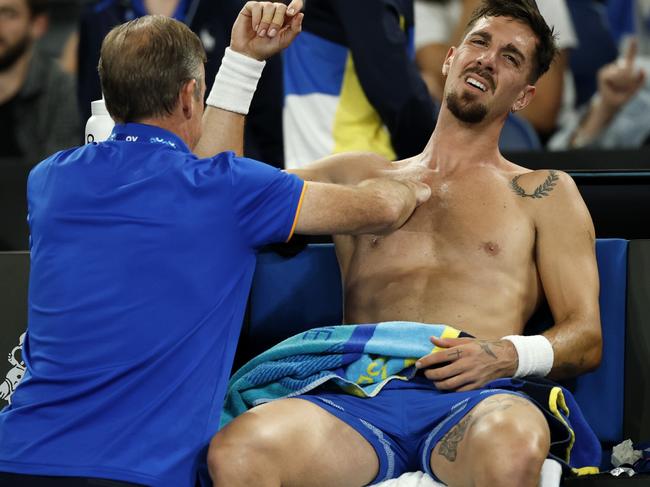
x: 340, y: 354
x: 411, y: 479
x: 361, y: 359
x: 551, y: 475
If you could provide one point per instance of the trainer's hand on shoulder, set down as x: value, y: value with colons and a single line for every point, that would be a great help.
x: 422, y: 191
x: 263, y: 29
x: 401, y: 197
x: 412, y: 169
x: 463, y: 364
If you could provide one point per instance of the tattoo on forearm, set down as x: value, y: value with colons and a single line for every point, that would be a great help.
x: 541, y: 191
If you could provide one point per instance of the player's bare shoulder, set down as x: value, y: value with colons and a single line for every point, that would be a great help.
x: 551, y: 196
x: 550, y: 185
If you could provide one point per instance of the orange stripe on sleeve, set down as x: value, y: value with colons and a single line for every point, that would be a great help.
x: 295, y: 218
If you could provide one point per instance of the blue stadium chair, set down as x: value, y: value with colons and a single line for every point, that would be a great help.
x: 292, y: 294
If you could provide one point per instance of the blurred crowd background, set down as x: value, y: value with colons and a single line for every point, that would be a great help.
x: 364, y: 75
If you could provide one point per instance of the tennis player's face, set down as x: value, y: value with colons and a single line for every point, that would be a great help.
x: 490, y: 69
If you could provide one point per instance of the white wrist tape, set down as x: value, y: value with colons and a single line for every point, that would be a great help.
x: 235, y: 83
x: 535, y: 354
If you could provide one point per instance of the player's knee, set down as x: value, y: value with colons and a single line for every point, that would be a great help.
x: 522, y: 459
x: 513, y: 432
x: 238, y: 450
x: 226, y: 456
x: 518, y: 442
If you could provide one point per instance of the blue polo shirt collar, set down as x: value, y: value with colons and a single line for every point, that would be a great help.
x: 147, y: 134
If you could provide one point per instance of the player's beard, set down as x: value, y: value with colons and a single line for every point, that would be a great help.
x: 13, y: 52
x: 464, y: 109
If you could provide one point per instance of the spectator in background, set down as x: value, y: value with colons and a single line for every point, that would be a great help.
x: 618, y: 115
x: 441, y: 24
x: 351, y: 84
x: 642, y: 26
x: 596, y: 48
x: 621, y: 18
x: 211, y: 21
x: 38, y: 114
x: 99, y: 17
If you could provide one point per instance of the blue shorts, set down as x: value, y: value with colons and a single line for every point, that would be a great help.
x: 402, y: 423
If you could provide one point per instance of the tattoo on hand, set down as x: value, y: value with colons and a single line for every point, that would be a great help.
x: 485, y: 346
x: 541, y: 191
x: 455, y: 354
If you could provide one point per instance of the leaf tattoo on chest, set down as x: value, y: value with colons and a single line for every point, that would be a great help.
x: 540, y: 191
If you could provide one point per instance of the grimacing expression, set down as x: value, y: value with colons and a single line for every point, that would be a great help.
x: 488, y: 74
x: 15, y: 31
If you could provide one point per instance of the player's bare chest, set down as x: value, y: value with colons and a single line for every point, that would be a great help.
x: 469, y: 207
x: 472, y: 219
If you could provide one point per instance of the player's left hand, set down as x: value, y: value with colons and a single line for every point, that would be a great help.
x: 463, y: 364
x: 263, y: 29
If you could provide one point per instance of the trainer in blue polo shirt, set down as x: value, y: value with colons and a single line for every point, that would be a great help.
x: 182, y: 232
x: 142, y: 256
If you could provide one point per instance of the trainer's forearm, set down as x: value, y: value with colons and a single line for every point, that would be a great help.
x: 372, y: 207
x: 369, y: 210
x: 394, y: 200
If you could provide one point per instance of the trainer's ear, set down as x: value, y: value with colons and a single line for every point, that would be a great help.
x: 448, y: 60
x: 187, y: 98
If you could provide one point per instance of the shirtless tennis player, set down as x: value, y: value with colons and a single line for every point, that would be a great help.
x: 493, y: 242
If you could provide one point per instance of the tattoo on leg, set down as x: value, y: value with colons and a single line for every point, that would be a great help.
x: 448, y: 446
x: 449, y: 443
x: 503, y: 401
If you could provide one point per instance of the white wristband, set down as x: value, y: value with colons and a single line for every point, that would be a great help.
x: 535, y: 354
x: 235, y: 83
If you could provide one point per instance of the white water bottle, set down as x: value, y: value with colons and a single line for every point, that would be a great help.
x: 100, y: 124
